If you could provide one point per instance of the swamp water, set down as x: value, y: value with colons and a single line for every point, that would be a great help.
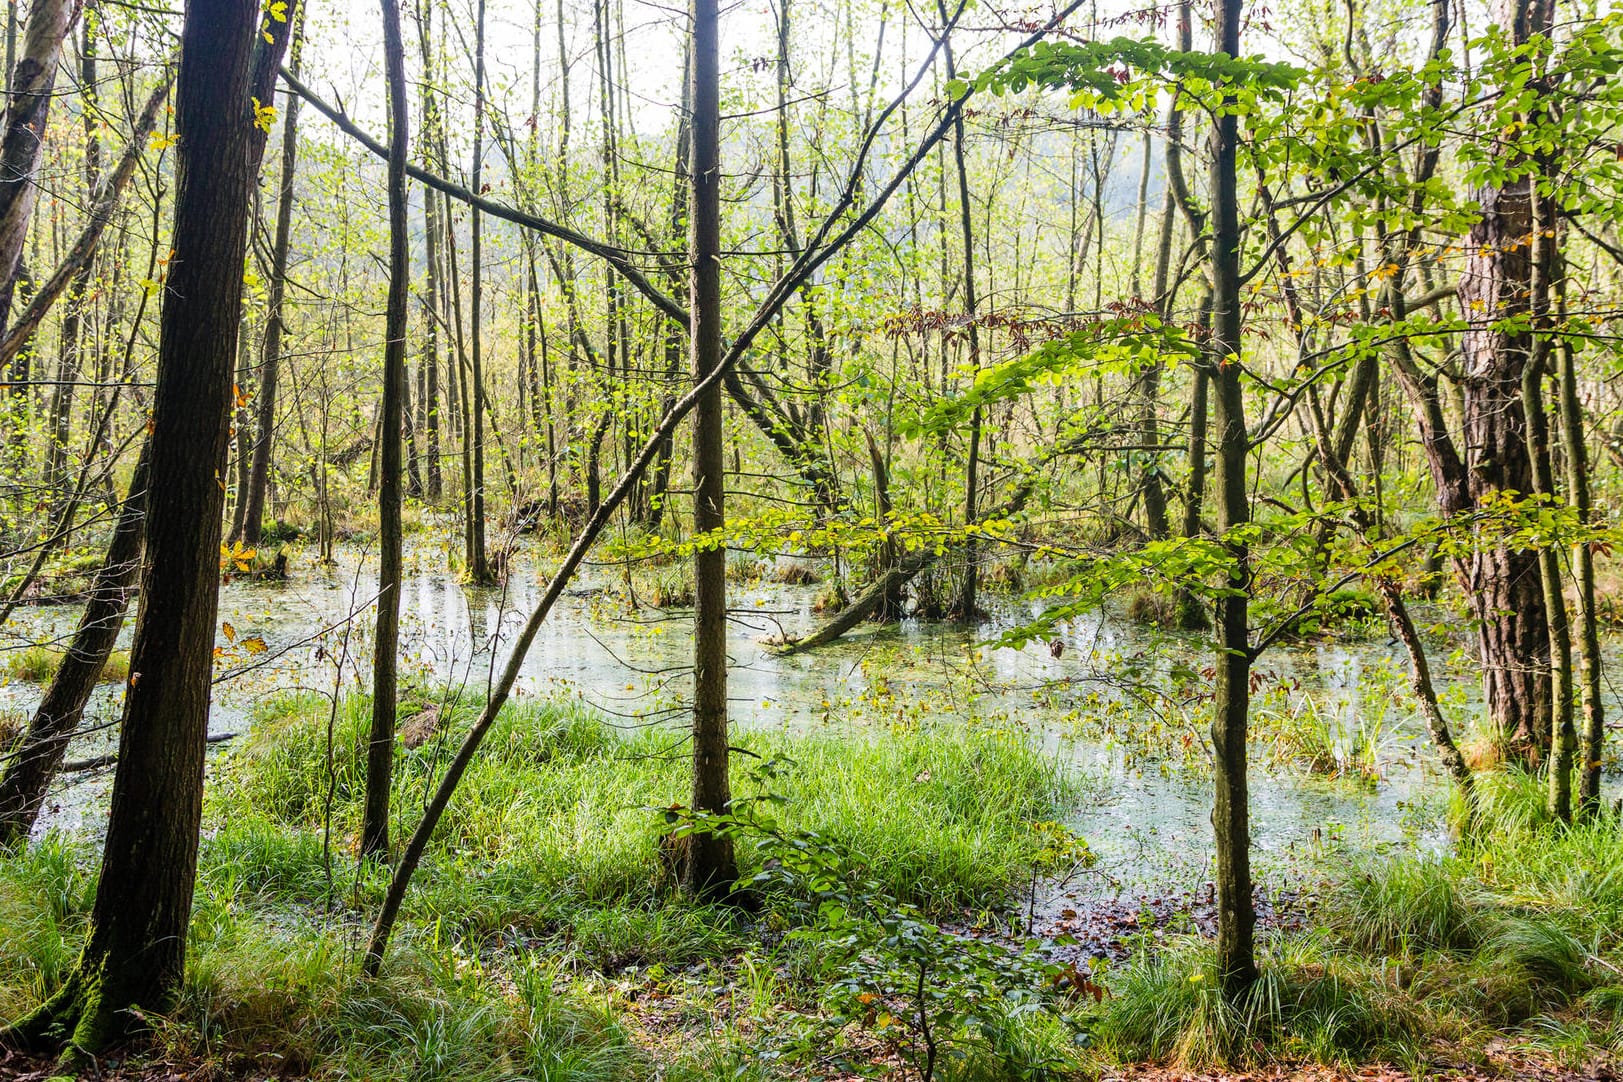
x: 1102, y: 707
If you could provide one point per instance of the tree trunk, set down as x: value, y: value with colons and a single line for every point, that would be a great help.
x: 83, y: 250
x: 68, y: 360
x: 386, y: 645
x: 32, y: 82
x: 1236, y: 919
x: 35, y: 762
x: 1593, y: 736
x: 1504, y: 583
x: 1563, y: 739
x: 478, y: 562
x: 710, y: 869
x: 964, y: 608
x: 270, y: 354
x: 137, y: 945
x: 429, y: 362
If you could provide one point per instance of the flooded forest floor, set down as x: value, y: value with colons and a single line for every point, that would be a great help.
x: 962, y: 860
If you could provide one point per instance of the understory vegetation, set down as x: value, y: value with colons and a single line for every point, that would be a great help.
x: 547, y: 939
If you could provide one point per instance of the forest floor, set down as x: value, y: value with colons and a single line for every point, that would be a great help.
x: 144, y: 1067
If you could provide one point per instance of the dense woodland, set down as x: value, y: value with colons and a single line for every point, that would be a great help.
x: 1245, y: 331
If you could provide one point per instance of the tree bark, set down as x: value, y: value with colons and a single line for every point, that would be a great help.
x: 710, y: 869
x: 36, y: 760
x: 1504, y: 583
x: 1236, y: 918
x: 137, y: 945
x: 386, y: 644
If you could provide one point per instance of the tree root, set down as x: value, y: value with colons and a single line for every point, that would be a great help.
x: 79, y: 1020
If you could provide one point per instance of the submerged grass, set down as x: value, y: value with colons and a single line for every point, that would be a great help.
x: 38, y: 664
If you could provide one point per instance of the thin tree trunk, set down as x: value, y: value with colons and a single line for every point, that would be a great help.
x: 270, y: 354
x: 429, y: 362
x: 710, y: 869
x: 385, y: 662
x: 1593, y: 742
x: 1236, y: 918
x: 34, y: 763
x: 1563, y: 738
x: 68, y: 361
x: 21, y: 330
x: 478, y: 562
x: 22, y: 134
x: 965, y: 608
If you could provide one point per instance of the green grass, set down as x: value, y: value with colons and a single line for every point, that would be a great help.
x: 539, y: 924
x: 560, y: 810
x: 1311, y: 1003
x: 45, y: 896
x: 540, y: 938
x: 1516, y: 935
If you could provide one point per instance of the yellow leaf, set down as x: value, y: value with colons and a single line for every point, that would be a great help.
x: 230, y: 632
x: 254, y: 644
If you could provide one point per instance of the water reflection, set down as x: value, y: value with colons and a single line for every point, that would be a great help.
x: 1145, y: 812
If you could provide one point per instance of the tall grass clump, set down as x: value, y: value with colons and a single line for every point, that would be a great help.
x: 1310, y: 1003
x: 562, y: 810
x: 268, y: 997
x: 45, y: 894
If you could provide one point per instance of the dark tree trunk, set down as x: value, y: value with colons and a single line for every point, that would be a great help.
x: 1236, y: 919
x: 474, y: 404
x: 380, y: 747
x: 1504, y: 583
x: 137, y: 945
x: 710, y: 869
x: 270, y: 355
x: 429, y: 362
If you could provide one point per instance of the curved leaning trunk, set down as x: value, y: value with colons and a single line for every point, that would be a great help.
x: 34, y: 763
